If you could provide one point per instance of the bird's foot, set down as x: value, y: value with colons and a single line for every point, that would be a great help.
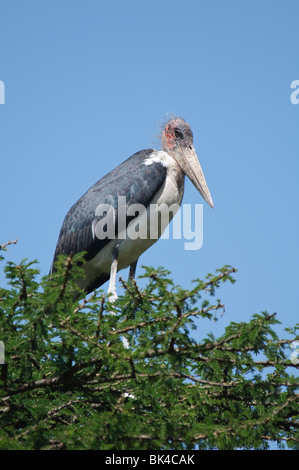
x: 112, y: 296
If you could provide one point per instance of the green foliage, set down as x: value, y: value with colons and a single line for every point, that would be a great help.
x: 69, y: 382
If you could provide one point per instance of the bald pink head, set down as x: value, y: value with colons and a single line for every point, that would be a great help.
x: 176, y: 132
x: 177, y: 141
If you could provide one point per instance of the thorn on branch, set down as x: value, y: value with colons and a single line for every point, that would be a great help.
x: 100, y: 316
x: 66, y: 278
x: 128, y: 287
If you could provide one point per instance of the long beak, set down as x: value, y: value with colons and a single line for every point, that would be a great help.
x: 191, y: 167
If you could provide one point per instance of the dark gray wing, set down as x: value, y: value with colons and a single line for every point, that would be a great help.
x: 134, y: 180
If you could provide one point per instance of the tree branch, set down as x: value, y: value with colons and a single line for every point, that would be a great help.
x: 3, y: 247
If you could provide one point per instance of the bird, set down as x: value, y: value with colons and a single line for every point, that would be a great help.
x: 103, y: 222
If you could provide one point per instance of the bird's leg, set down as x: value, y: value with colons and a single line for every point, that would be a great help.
x: 132, y: 270
x: 113, y: 273
x: 131, y: 276
x: 112, y: 285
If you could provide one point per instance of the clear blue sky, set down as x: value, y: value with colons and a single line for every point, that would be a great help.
x: 86, y: 85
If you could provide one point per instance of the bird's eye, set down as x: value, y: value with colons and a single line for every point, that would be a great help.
x: 178, y: 133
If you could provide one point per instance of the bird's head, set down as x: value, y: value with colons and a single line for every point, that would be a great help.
x: 177, y: 140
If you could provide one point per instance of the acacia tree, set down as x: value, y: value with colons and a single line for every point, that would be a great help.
x: 69, y: 381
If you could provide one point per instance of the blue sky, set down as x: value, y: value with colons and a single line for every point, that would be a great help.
x: 87, y: 85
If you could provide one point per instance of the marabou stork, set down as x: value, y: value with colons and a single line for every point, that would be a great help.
x: 150, y: 178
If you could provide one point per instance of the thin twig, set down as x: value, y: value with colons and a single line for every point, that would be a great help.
x: 3, y: 247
